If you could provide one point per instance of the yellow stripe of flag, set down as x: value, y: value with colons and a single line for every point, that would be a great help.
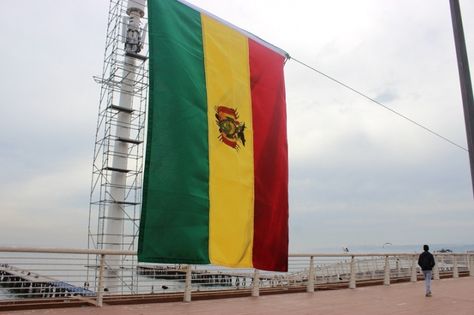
x: 231, y: 173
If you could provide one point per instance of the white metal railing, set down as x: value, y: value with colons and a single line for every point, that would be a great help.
x: 62, y: 274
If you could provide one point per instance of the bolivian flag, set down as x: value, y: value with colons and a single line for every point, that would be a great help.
x: 216, y: 169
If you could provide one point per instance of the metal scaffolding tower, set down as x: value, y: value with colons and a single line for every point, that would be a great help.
x: 115, y: 197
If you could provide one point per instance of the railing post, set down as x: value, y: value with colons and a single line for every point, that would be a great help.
x: 470, y: 266
x: 399, y: 266
x: 470, y: 258
x: 352, y: 281
x: 386, y: 279
x: 436, y: 269
x: 413, y: 269
x: 256, y: 283
x: 100, y: 289
x: 310, y: 286
x: 455, y: 267
x: 187, y: 284
x: 373, y: 268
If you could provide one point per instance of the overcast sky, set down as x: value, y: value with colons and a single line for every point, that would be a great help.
x: 359, y: 175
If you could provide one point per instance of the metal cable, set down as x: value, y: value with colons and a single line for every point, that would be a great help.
x: 380, y: 104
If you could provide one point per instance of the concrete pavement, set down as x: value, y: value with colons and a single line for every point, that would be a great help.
x: 450, y: 296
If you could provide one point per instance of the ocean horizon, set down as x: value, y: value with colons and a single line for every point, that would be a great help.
x: 394, y: 248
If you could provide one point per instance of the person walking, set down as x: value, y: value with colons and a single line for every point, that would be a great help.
x: 426, y: 262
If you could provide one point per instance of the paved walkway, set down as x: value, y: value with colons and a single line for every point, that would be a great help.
x: 450, y: 296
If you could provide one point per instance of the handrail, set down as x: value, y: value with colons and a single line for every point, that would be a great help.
x: 53, y: 250
x: 368, y: 254
x: 59, y: 250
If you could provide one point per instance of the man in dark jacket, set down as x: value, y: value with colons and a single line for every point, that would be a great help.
x: 426, y: 262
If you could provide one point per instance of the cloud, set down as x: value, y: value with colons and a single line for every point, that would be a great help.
x: 386, y: 96
x: 48, y: 208
x: 358, y: 173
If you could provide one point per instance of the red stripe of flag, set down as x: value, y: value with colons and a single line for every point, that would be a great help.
x: 270, y: 244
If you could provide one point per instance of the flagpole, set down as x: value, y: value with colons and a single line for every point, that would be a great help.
x: 465, y: 80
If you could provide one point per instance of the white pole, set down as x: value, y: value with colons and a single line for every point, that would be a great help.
x: 455, y: 267
x: 352, y: 281
x: 310, y: 286
x: 470, y: 261
x: 413, y: 269
x: 115, y: 211
x: 187, y: 285
x: 399, y: 266
x: 100, y: 289
x: 436, y: 269
x: 256, y: 283
x: 386, y: 280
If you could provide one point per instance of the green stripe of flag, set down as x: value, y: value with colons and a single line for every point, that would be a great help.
x: 174, y: 225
